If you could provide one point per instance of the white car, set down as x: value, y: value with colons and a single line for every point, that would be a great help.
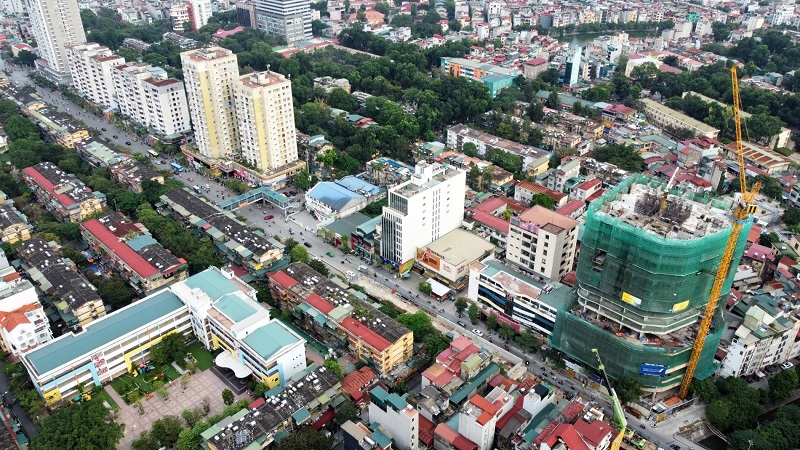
x: 787, y: 365
x: 477, y: 332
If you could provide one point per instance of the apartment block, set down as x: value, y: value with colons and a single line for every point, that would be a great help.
x: 398, y: 418
x: 147, y: 96
x: 68, y: 294
x: 663, y: 116
x: 210, y: 75
x: 478, y: 419
x: 265, y: 118
x: 199, y: 13
x: 496, y: 78
x: 179, y: 15
x: 131, y: 173
x: 14, y: 226
x: 226, y: 315
x: 57, y: 127
x: 66, y: 197
x: 133, y: 253
x: 543, y: 243
x: 288, y: 19
x: 339, y: 320
x: 55, y: 24
x: 23, y: 322
x: 535, y: 161
x: 91, y: 67
x: 421, y: 210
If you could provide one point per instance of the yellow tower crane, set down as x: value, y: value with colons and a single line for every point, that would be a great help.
x: 619, y: 414
x: 744, y: 207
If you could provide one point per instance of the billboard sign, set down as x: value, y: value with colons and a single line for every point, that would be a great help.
x: 426, y: 257
x: 653, y: 370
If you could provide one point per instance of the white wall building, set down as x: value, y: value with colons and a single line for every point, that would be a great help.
x: 14, y: 7
x: 421, y: 210
x: 210, y: 75
x: 399, y: 418
x: 145, y: 95
x: 479, y: 416
x: 179, y: 15
x: 55, y: 24
x: 91, y: 66
x: 23, y: 323
x: 200, y: 13
x: 542, y: 242
x: 265, y: 117
x: 289, y: 19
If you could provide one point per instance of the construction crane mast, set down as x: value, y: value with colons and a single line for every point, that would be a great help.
x: 619, y: 414
x: 744, y: 207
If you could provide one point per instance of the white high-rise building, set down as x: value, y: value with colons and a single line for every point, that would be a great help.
x: 542, y: 242
x: 14, y: 7
x: 200, y: 13
x: 421, y: 210
x: 399, y: 418
x: 179, y: 15
x: 289, y: 19
x: 56, y: 24
x: 91, y: 66
x: 210, y: 75
x: 147, y: 96
x: 265, y: 117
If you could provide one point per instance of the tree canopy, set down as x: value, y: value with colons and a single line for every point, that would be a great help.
x: 84, y: 426
x: 623, y: 156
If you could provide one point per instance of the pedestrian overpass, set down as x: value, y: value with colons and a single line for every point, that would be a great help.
x: 260, y: 194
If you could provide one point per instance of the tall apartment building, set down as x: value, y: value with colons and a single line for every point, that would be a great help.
x: 199, y: 13
x: 644, y: 275
x: 147, y: 96
x: 542, y: 242
x: 246, y: 13
x: 399, y: 418
x: 91, y: 66
x: 289, y: 19
x: 179, y: 15
x: 55, y: 24
x: 421, y: 210
x: 265, y: 117
x: 210, y: 75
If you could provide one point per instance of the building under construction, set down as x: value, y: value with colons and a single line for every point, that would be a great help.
x: 646, y: 268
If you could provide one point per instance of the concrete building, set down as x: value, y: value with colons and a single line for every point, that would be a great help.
x: 14, y: 226
x: 131, y: 173
x: 147, y: 96
x: 448, y: 258
x: 421, y: 210
x: 663, y: 116
x: 98, y: 156
x: 246, y: 13
x: 91, y: 67
x: 399, y: 418
x: 23, y: 322
x: 534, y: 67
x: 67, y: 293
x: 514, y: 296
x: 180, y: 15
x: 265, y: 119
x: 478, y: 419
x: 55, y: 24
x: 210, y: 75
x: 199, y: 13
x: 535, y: 161
x: 542, y: 242
x: 496, y: 78
x: 764, y: 336
x: 333, y: 200
x: 66, y: 197
x: 642, y: 286
x: 226, y: 315
x: 339, y: 320
x: 525, y: 190
x: 289, y: 19
x: 58, y: 127
x: 133, y: 253
x: 573, y: 67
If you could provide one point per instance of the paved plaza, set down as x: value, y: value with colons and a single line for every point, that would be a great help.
x: 201, y: 385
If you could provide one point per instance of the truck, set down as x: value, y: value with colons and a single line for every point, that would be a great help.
x: 363, y: 268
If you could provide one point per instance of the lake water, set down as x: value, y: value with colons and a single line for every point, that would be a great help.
x: 581, y: 40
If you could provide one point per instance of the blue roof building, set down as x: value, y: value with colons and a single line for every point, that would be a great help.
x: 333, y: 200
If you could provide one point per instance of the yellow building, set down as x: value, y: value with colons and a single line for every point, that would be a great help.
x: 209, y: 75
x: 59, y: 128
x: 14, y: 225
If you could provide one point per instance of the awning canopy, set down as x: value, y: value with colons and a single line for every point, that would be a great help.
x: 227, y: 361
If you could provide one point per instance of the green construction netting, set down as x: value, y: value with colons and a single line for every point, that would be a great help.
x: 622, y: 358
x: 650, y: 273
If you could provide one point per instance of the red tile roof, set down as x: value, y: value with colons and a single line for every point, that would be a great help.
x: 355, y: 381
x: 365, y: 334
x: 491, y: 221
x: 570, y: 207
x: 595, y: 196
x: 539, y: 189
x: 284, y: 280
x: 594, y: 432
x: 567, y: 433
x: 586, y: 185
x: 40, y: 179
x: 536, y: 62
x: 426, y: 428
x: 489, y: 408
x: 319, y: 303
x: 136, y: 262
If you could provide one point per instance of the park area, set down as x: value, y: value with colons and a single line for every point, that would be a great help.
x: 144, y: 384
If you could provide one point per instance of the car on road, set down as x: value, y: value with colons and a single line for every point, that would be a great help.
x: 127, y: 143
x: 329, y: 254
x: 787, y: 365
x: 206, y: 186
x: 307, y: 244
x: 462, y: 324
x: 115, y: 136
x: 675, y: 447
x: 477, y: 332
x: 103, y: 129
x: 164, y: 162
x: 269, y: 217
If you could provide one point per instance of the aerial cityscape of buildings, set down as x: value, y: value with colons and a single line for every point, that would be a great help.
x: 361, y: 225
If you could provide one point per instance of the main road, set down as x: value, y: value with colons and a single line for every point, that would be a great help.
x: 298, y: 225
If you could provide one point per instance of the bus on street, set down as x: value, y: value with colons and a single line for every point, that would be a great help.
x: 176, y: 166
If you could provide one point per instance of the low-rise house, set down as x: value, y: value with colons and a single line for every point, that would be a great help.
x: 66, y: 197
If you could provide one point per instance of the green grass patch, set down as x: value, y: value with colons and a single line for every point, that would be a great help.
x: 205, y: 360
x: 101, y: 396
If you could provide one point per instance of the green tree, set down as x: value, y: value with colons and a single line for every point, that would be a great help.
x: 671, y: 60
x: 172, y: 347
x: 18, y: 127
x: 302, y: 180
x: 289, y: 245
x: 305, y: 439
x: 425, y: 287
x: 26, y: 58
x: 553, y: 101
x: 83, y: 426
x: 347, y: 411
x: 469, y: 149
x: 227, y: 397
x: 333, y: 365
x: 435, y: 342
x: 461, y: 305
x: 419, y: 323
x: 782, y: 384
x: 543, y: 200
x: 623, y: 156
x: 527, y: 340
x: 341, y: 99
x: 507, y: 332
x: 115, y: 292
x: 299, y: 253
x: 166, y: 430
x: 472, y: 311
x: 705, y: 389
x: 791, y: 216
x: 628, y: 389
x: 191, y: 417
x: 319, y: 266
x: 491, y: 322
